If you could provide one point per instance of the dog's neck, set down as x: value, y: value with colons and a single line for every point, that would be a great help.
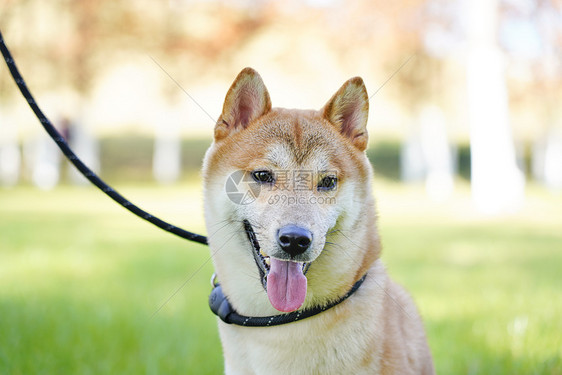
x: 221, y: 307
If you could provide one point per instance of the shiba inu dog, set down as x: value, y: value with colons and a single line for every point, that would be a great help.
x: 292, y: 230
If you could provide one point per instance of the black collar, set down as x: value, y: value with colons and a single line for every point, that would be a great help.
x: 223, y: 309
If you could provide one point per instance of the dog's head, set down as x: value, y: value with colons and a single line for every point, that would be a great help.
x: 287, y: 196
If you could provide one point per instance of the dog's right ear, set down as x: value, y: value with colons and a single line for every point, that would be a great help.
x: 246, y: 100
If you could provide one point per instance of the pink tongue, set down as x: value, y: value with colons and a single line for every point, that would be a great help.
x: 286, y: 285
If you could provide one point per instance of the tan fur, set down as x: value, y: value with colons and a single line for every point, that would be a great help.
x: 375, y: 331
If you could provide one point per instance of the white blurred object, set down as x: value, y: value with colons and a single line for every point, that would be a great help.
x: 552, y: 172
x: 497, y: 184
x: 412, y: 164
x: 10, y: 162
x: 10, y: 156
x: 46, y: 163
x: 166, y: 162
x: 439, y: 177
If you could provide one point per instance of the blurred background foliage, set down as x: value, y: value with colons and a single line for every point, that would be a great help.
x: 77, y: 54
x: 122, y: 69
x: 87, y: 288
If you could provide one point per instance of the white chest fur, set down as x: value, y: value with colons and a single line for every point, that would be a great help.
x: 342, y: 340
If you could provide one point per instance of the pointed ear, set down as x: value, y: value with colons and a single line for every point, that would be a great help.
x: 246, y: 100
x: 348, y: 111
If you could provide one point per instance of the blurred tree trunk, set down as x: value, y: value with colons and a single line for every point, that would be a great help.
x: 497, y: 184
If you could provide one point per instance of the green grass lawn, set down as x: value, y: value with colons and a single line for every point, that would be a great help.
x: 87, y: 288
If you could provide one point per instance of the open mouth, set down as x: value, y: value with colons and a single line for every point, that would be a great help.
x: 284, y: 280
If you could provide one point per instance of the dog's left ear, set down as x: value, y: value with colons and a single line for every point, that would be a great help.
x: 246, y: 100
x: 348, y: 110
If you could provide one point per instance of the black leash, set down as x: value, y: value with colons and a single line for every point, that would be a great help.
x: 87, y: 172
x: 223, y: 309
x: 217, y: 300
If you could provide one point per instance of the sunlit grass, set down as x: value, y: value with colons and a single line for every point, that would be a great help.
x: 489, y: 287
x: 82, y: 282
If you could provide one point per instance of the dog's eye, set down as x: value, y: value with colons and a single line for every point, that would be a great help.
x: 328, y: 183
x: 264, y: 177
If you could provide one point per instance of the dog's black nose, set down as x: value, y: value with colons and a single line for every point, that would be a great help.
x: 294, y: 240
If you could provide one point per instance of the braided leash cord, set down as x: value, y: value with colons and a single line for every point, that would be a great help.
x: 87, y: 172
